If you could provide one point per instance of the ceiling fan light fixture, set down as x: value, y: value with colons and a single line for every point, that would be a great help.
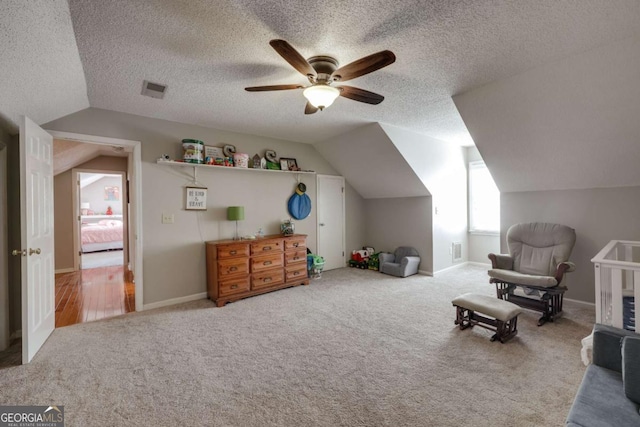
x: 321, y: 96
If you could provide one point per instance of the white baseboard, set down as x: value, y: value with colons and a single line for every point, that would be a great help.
x: 425, y: 273
x: 479, y: 264
x: 453, y: 267
x: 174, y: 301
x: 577, y: 301
x: 64, y: 270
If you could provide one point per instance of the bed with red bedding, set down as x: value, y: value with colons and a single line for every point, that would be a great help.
x: 104, y: 235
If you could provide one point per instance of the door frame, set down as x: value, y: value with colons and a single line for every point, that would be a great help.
x: 343, y: 216
x: 135, y: 199
x: 75, y: 203
x: 4, y: 253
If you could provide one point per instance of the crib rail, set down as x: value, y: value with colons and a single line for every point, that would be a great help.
x: 617, y: 278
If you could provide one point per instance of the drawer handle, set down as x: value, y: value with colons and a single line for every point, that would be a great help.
x: 266, y: 279
x: 233, y: 252
x: 295, y: 245
x: 266, y: 248
x: 267, y: 263
x: 296, y: 257
x: 295, y: 273
x: 234, y: 286
x: 233, y: 268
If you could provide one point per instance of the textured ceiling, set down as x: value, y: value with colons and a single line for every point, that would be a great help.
x: 207, y: 52
x: 40, y: 72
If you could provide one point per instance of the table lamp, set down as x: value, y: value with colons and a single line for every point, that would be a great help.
x: 235, y: 213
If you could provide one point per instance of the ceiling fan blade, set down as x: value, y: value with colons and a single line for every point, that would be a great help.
x: 360, y: 95
x: 273, y: 87
x: 293, y: 57
x: 310, y: 109
x: 363, y: 66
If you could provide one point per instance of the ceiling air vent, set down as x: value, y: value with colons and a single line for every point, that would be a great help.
x: 154, y: 90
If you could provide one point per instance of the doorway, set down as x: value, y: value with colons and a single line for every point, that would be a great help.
x: 100, y: 285
x: 93, y: 279
x: 331, y: 214
x: 134, y: 211
x: 103, y: 277
x: 102, y: 224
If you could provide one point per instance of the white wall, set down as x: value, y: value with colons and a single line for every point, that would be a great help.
x: 404, y: 221
x: 442, y: 168
x: 480, y: 245
x: 598, y: 216
x: 94, y: 194
x: 174, y: 260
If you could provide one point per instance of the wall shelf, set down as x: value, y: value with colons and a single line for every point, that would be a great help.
x: 196, y: 165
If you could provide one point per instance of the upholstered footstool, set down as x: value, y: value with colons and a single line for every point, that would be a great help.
x: 504, y: 315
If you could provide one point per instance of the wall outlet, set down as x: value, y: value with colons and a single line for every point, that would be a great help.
x: 167, y: 218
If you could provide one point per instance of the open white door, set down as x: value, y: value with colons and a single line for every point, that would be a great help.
x: 36, y: 216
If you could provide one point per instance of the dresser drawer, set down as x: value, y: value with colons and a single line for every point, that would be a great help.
x: 233, y: 250
x: 296, y: 272
x: 233, y: 286
x: 265, y: 262
x: 295, y: 243
x: 267, y: 278
x: 295, y: 257
x: 267, y: 246
x: 232, y: 266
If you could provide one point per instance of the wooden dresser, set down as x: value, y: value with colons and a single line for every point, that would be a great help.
x: 238, y: 269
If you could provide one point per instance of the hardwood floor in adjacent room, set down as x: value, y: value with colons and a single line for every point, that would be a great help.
x: 93, y: 294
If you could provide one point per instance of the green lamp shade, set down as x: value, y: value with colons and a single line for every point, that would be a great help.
x: 235, y: 213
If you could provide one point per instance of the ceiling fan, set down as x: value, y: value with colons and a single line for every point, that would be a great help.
x: 322, y: 71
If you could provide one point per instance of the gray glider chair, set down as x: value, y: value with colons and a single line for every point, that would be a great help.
x: 532, y: 274
x: 402, y: 263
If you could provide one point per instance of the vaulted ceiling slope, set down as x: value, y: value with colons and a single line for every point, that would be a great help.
x: 372, y: 164
x: 69, y: 154
x: 40, y: 70
x: 570, y: 124
x: 207, y: 52
x: 384, y: 161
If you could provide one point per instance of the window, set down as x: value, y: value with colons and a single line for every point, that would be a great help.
x: 484, y: 200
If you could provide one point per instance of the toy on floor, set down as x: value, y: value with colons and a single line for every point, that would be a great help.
x: 361, y: 258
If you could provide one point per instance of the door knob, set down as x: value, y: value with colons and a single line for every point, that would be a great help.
x: 321, y: 224
x: 34, y: 251
x: 19, y: 252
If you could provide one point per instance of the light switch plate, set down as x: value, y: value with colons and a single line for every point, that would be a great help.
x: 167, y: 218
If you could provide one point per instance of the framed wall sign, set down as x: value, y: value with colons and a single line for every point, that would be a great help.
x: 196, y: 199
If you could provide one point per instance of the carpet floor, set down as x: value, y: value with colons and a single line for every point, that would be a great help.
x: 355, y: 348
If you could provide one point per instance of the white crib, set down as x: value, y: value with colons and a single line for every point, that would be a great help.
x: 617, y: 278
